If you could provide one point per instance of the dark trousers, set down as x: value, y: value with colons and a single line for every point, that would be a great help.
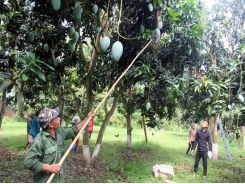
x: 190, y: 146
x: 204, y: 156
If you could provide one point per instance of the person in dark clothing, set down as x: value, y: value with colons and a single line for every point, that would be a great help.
x: 29, y: 121
x: 203, y: 137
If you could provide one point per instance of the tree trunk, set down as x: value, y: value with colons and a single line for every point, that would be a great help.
x: 239, y: 142
x: 129, y: 131
x: 86, y: 156
x: 243, y: 132
x: 103, y: 128
x: 214, y: 132
x: 143, y: 121
x: 215, y: 151
x: 4, y: 106
x: 128, y: 119
x: 89, y: 92
x: 224, y: 139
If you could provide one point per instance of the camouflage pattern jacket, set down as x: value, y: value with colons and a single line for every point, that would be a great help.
x: 45, y: 149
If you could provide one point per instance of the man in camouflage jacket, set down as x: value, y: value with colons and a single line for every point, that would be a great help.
x: 48, y: 147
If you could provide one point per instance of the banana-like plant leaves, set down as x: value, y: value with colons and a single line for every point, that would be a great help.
x: 4, y: 84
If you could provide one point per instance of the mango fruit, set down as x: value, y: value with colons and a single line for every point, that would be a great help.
x: 105, y: 43
x: 147, y: 106
x: 77, y: 13
x: 46, y: 47
x: 56, y: 4
x: 95, y: 8
x: 71, y: 31
x: 31, y: 37
x: 117, y: 50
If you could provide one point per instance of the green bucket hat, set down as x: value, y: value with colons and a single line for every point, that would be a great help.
x: 47, y: 115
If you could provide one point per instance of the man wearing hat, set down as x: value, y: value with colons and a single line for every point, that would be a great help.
x: 48, y: 147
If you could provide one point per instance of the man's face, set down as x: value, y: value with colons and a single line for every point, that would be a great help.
x: 205, y: 124
x: 56, y: 123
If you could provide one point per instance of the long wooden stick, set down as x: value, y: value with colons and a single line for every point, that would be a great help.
x: 96, y: 110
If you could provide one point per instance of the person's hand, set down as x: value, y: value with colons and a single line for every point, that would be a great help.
x: 55, y: 168
x: 192, y: 152
x: 210, y: 155
x: 92, y: 114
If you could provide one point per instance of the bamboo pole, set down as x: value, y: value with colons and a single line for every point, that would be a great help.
x: 143, y: 121
x: 96, y: 110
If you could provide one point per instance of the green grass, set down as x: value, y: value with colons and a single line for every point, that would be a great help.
x: 135, y: 165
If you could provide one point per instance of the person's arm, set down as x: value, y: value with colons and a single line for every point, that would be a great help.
x: 32, y: 160
x: 81, y: 124
x: 195, y: 143
x: 32, y: 157
x: 190, y: 136
x: 209, y: 142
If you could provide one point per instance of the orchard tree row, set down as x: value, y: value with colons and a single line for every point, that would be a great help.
x: 69, y: 53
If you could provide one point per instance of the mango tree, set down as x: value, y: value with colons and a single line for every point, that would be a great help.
x: 223, y: 60
x: 59, y: 32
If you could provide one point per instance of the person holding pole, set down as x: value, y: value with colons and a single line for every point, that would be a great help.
x: 51, y: 167
x: 48, y: 147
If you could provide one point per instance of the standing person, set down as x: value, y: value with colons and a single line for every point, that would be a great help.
x: 28, y: 126
x: 35, y: 126
x: 48, y: 147
x: 203, y: 137
x: 90, y: 128
x: 192, y: 136
x: 75, y: 121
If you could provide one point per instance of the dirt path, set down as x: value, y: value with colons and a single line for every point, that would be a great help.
x: 13, y: 171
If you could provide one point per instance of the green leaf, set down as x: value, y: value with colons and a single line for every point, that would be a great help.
x: 34, y: 64
x: 20, y: 100
x: 154, y: 3
x: 14, y: 4
x: 21, y: 59
x: 170, y: 11
x: 159, y: 2
x: 38, y: 72
x: 4, y: 84
x: 46, y: 64
x: 30, y: 55
x: 242, y: 108
x: 32, y: 69
x: 24, y: 77
x: 176, y: 14
x: 40, y: 75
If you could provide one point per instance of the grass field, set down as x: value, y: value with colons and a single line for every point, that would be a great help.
x: 121, y: 165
